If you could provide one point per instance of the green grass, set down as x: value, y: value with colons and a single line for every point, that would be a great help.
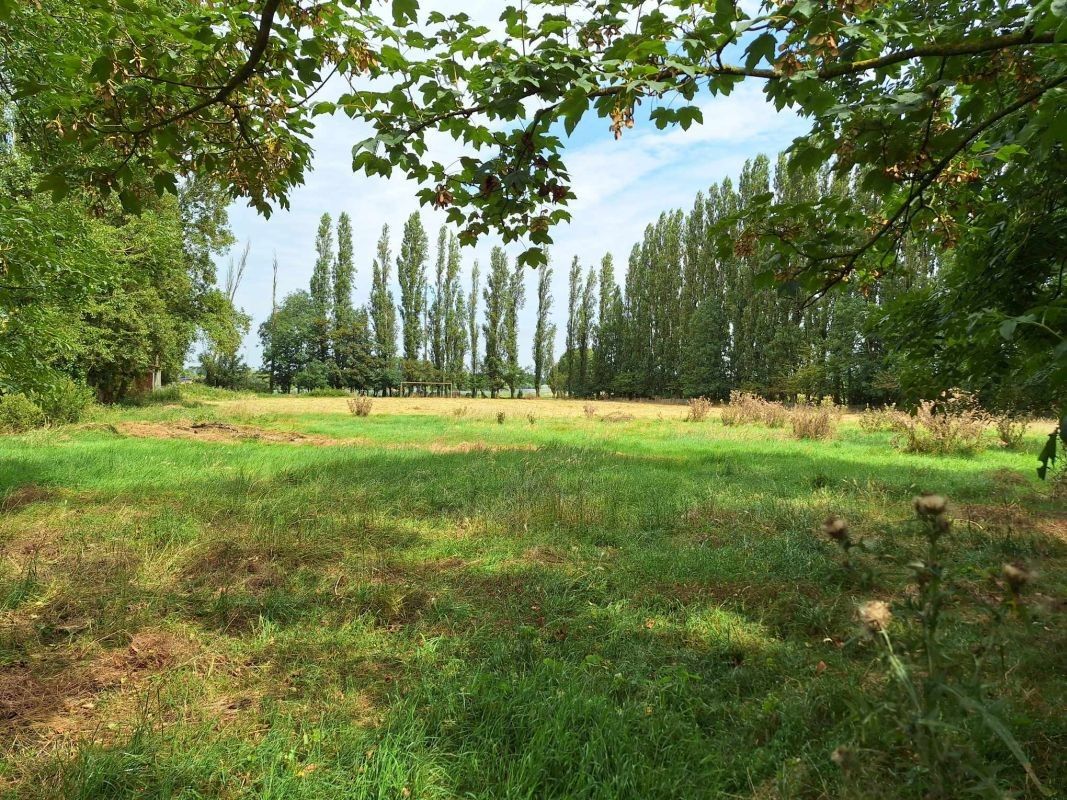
x: 453, y: 608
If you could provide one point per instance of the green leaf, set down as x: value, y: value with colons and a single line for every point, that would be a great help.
x: 761, y: 48
x: 405, y: 11
x: 998, y: 727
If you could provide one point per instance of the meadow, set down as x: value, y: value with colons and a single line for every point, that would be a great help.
x: 267, y: 597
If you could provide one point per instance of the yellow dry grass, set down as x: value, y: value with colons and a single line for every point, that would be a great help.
x: 441, y: 406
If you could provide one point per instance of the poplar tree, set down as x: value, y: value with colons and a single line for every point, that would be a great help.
x: 455, y: 339
x: 411, y: 273
x: 321, y: 290
x: 472, y: 326
x: 543, y: 330
x: 497, y: 289
x: 573, y: 299
x: 514, y: 302
x: 439, y: 304
x: 586, y: 330
x: 383, y: 312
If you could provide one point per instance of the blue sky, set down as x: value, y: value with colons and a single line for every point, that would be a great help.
x: 621, y: 186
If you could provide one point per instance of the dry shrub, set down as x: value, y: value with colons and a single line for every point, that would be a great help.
x: 699, y: 408
x: 743, y: 408
x: 461, y: 411
x: 814, y: 422
x: 501, y: 417
x: 531, y: 417
x: 589, y: 410
x: 954, y: 424
x: 360, y: 406
x: 1011, y: 428
x: 617, y: 416
x: 773, y: 414
x: 879, y: 420
x: 746, y: 408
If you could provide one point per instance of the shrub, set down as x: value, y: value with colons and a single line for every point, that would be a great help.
x: 65, y: 401
x: 360, y: 406
x: 772, y: 414
x: 1011, y: 428
x: 531, y: 417
x: 813, y: 422
x: 879, y: 420
x: 746, y: 408
x: 167, y: 395
x: 461, y: 411
x: 500, y: 417
x: 953, y: 425
x: 589, y: 410
x: 18, y: 414
x: 699, y: 408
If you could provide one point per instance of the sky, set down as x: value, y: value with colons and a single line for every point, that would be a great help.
x: 621, y: 186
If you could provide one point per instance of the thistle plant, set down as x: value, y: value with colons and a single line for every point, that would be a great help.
x: 941, y: 699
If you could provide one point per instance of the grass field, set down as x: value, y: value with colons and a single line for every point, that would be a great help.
x: 271, y: 598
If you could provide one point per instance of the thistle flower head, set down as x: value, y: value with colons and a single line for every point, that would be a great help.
x: 874, y: 615
x: 836, y: 528
x: 1016, y: 576
x: 930, y: 505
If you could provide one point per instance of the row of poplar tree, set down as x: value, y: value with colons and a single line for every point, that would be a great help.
x: 317, y: 339
x: 690, y: 318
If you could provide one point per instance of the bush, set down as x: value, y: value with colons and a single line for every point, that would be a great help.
x: 813, y: 422
x: 168, y: 395
x: 747, y: 408
x: 699, y: 408
x: 18, y: 414
x: 953, y: 425
x: 879, y: 420
x: 461, y: 411
x: 501, y: 417
x: 1011, y: 428
x: 589, y: 410
x: 65, y: 401
x: 531, y: 418
x: 360, y: 406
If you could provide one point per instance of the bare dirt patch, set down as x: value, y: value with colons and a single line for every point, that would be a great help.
x: 22, y: 496
x: 225, y: 432
x: 61, y: 701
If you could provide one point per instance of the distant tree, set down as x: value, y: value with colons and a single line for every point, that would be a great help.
x: 586, y: 331
x: 515, y: 300
x: 224, y: 331
x: 288, y: 339
x: 455, y: 339
x: 544, y: 331
x: 439, y: 305
x: 321, y: 289
x: 411, y: 271
x: 606, y: 342
x: 573, y: 301
x: 472, y: 326
x: 496, y: 295
x: 382, y: 306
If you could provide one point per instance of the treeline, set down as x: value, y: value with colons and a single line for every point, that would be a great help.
x: 98, y: 294
x: 440, y: 330
x: 694, y: 316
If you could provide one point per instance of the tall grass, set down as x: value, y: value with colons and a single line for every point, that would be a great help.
x: 423, y: 606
